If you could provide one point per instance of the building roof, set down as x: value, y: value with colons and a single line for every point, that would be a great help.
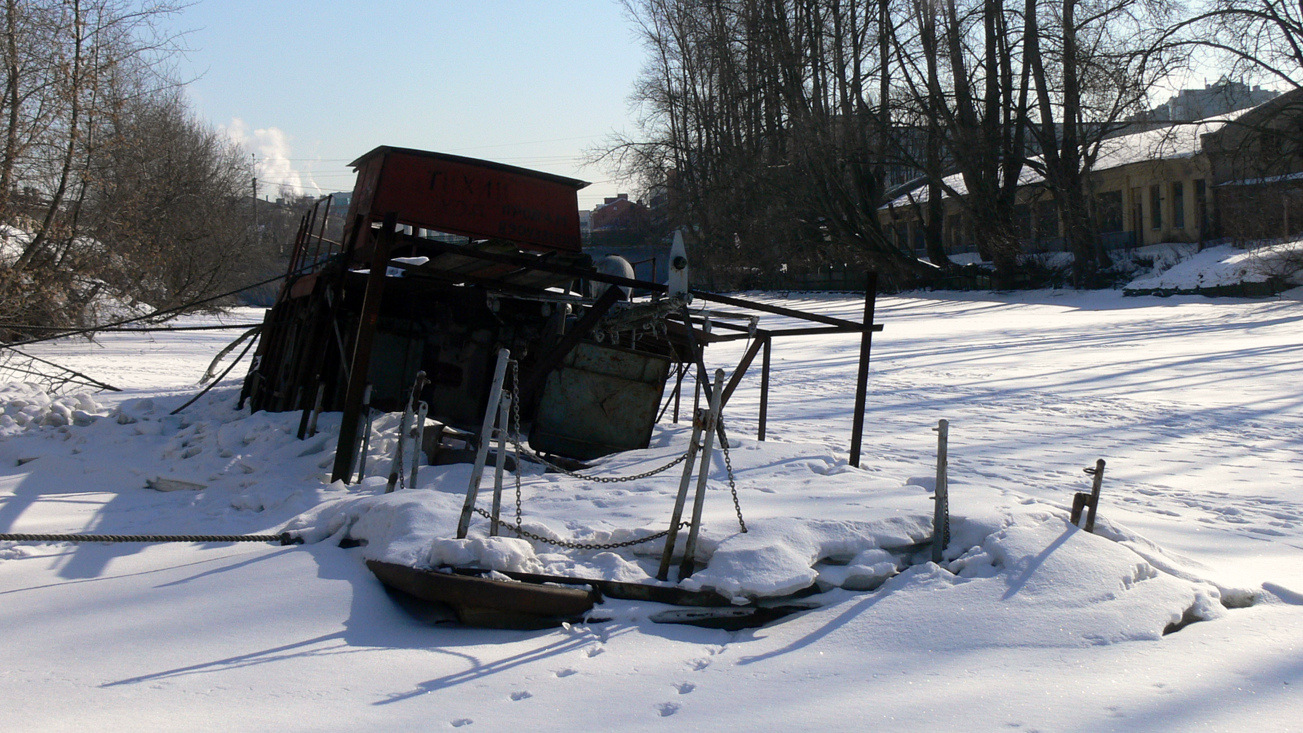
x: 487, y: 164
x: 1181, y: 140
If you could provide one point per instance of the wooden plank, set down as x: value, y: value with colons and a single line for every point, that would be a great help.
x: 360, y: 367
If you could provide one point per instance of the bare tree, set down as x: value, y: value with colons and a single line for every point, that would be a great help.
x: 1092, y: 62
x: 115, y: 183
x: 758, y: 116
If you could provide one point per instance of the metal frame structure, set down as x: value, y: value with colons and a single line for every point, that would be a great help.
x: 522, y: 242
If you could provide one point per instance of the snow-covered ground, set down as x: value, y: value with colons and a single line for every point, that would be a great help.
x: 1195, y: 404
x: 1183, y: 268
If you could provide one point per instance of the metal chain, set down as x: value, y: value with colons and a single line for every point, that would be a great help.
x: 515, y: 433
x: 570, y: 545
x: 520, y: 448
x: 518, y: 528
x: 732, y: 483
x: 285, y: 538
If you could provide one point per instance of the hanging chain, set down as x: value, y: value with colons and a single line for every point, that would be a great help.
x: 518, y: 527
x: 515, y: 435
x: 521, y: 448
x: 732, y: 482
x: 571, y: 545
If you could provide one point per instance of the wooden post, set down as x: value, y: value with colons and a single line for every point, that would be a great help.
x: 941, y: 512
x: 361, y: 361
x: 862, y: 378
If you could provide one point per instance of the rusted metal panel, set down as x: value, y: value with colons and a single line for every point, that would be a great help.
x: 602, y: 400
x: 469, y: 197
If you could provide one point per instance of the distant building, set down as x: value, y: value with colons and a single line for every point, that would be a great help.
x: 1220, y: 98
x: 1236, y: 175
x: 340, y: 200
x: 618, y: 213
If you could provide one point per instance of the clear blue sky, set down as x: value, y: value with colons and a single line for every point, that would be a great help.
x: 527, y: 83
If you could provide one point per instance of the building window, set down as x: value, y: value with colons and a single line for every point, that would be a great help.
x: 1047, y: 221
x: 1178, y: 205
x: 1108, y: 211
x: 1155, y: 207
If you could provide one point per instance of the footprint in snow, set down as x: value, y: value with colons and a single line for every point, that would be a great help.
x: 685, y: 687
x: 565, y: 673
x: 461, y: 721
x: 594, y: 650
x: 699, y: 664
x: 666, y: 709
x: 522, y: 695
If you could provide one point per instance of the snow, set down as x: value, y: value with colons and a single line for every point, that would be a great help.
x: 1027, y: 623
x: 1184, y: 268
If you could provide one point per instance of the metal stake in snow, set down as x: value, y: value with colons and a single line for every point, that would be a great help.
x: 366, y: 416
x: 406, y: 428
x: 418, y: 438
x: 708, y: 443
x: 1083, y: 500
x: 941, y: 512
x: 486, y: 434
x: 699, y: 420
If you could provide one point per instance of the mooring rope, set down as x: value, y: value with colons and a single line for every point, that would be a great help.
x: 284, y: 538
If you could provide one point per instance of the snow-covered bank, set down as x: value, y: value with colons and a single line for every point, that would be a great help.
x: 1183, y: 269
x: 1195, y: 404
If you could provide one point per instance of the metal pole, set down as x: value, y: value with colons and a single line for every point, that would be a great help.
x: 698, y: 424
x: 418, y: 436
x: 1095, y: 486
x: 741, y: 370
x: 941, y: 512
x: 482, y: 453
x: 499, y: 465
x: 396, y: 464
x: 862, y: 378
x: 764, y: 388
x: 316, y: 409
x: 678, y: 390
x: 366, y: 435
x: 708, y: 443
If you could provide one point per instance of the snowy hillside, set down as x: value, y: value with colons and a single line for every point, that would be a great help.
x: 1028, y: 623
x: 1182, y: 268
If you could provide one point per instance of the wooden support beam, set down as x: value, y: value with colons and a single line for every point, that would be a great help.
x: 362, y: 343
